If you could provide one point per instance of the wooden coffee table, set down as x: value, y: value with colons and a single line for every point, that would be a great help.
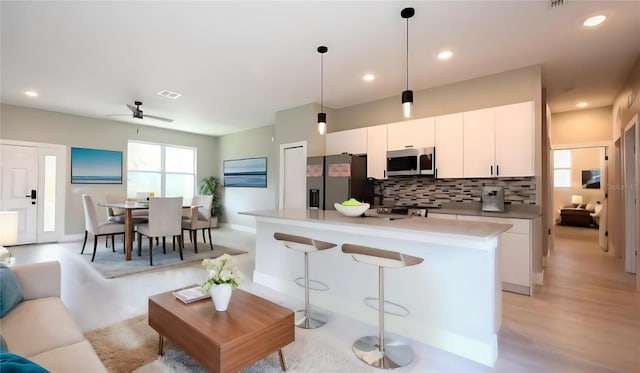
x: 250, y: 329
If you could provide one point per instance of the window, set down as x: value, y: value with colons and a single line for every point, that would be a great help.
x: 562, y: 168
x: 166, y: 170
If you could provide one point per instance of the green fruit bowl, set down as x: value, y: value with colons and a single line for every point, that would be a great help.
x: 351, y: 210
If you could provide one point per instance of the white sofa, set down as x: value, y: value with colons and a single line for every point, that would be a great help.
x: 41, y: 329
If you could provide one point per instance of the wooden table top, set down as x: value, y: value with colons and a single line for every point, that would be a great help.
x: 250, y: 329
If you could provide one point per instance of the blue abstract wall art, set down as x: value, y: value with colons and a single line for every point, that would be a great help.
x: 248, y: 172
x: 96, y: 166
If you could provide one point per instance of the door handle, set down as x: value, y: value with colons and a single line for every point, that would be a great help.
x: 32, y: 195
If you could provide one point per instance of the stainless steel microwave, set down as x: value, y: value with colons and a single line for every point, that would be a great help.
x: 411, y: 161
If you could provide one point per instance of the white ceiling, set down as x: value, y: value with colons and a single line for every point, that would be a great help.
x: 238, y: 63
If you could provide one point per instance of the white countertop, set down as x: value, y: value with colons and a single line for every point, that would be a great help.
x: 451, y: 229
x: 475, y: 209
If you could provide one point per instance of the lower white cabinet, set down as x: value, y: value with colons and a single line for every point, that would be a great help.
x: 441, y: 216
x: 515, y: 252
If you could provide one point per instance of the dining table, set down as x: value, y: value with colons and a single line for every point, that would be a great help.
x: 128, y: 208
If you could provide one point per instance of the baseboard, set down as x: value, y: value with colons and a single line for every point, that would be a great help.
x: 73, y: 237
x: 538, y: 278
x: 242, y: 228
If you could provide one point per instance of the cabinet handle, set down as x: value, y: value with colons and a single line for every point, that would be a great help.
x: 384, y: 172
x: 497, y: 170
x: 436, y: 174
x: 491, y: 170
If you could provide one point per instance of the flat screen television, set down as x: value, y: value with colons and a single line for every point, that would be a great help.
x: 591, y: 179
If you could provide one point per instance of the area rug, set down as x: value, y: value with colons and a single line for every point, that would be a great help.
x: 132, y: 346
x: 112, y: 265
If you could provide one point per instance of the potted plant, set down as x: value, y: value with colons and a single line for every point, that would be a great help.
x: 211, y: 185
x: 223, y: 277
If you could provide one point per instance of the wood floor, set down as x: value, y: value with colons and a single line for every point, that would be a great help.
x: 586, y: 317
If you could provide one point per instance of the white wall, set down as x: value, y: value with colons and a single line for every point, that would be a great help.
x: 24, y: 124
x: 253, y: 143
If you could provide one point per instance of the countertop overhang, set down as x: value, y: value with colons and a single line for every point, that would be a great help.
x: 431, y: 229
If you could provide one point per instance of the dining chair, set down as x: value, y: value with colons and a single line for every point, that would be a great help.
x: 92, y: 226
x: 200, y: 218
x: 165, y: 214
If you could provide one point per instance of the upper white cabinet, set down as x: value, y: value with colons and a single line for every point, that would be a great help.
x: 479, y: 143
x: 515, y: 137
x: 377, y: 151
x: 448, y: 133
x: 417, y: 133
x: 498, y: 142
x: 350, y: 141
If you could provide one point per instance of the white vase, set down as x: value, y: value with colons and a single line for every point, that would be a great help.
x: 221, y: 295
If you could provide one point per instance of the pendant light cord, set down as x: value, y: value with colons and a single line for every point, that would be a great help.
x: 322, y: 82
x: 407, y: 54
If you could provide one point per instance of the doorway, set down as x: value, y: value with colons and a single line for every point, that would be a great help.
x: 579, y: 196
x: 631, y: 176
x: 293, y: 175
x: 33, y: 176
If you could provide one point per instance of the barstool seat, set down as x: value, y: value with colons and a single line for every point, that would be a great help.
x: 378, y: 351
x: 304, y: 318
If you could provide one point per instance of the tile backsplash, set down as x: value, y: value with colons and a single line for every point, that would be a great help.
x: 422, y: 191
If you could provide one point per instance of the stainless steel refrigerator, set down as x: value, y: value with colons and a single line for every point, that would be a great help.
x: 336, y: 178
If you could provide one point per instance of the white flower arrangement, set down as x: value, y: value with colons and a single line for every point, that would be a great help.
x: 221, y: 270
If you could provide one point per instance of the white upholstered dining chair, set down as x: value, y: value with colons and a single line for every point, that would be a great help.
x: 92, y: 226
x: 200, y: 218
x: 165, y: 215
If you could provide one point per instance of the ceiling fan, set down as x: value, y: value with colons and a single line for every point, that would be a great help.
x: 138, y: 113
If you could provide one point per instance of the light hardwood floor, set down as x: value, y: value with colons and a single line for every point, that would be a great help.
x: 586, y: 318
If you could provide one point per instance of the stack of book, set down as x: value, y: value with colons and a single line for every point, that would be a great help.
x: 191, y: 294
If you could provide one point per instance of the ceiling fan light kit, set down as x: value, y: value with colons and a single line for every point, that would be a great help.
x: 139, y: 114
x: 407, y: 95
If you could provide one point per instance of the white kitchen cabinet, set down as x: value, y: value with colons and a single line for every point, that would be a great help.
x: 515, y: 137
x: 350, y: 141
x: 377, y: 151
x: 449, y: 146
x: 499, y: 141
x: 417, y: 133
x: 479, y: 143
x: 515, y: 252
x: 441, y: 216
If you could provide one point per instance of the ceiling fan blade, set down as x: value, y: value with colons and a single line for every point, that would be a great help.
x: 158, y: 118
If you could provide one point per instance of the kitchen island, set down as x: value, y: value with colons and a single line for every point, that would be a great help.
x: 453, y: 298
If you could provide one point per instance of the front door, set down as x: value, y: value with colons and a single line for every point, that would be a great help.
x: 20, y: 188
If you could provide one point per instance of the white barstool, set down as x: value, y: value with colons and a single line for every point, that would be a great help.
x: 304, y: 318
x: 378, y: 351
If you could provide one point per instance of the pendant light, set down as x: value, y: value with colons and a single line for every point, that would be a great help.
x: 322, y: 116
x: 407, y: 95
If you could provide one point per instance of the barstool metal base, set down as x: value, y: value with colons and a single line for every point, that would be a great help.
x: 396, y: 354
x: 306, y: 320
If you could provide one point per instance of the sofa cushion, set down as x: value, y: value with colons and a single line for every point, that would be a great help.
x: 39, y: 325
x: 10, y: 290
x: 12, y: 363
x: 3, y: 344
x: 77, y: 357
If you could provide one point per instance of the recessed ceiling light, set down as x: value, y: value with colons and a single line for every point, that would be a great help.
x: 368, y: 77
x: 169, y: 94
x: 31, y: 93
x: 582, y: 104
x: 445, y: 55
x: 594, y: 21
